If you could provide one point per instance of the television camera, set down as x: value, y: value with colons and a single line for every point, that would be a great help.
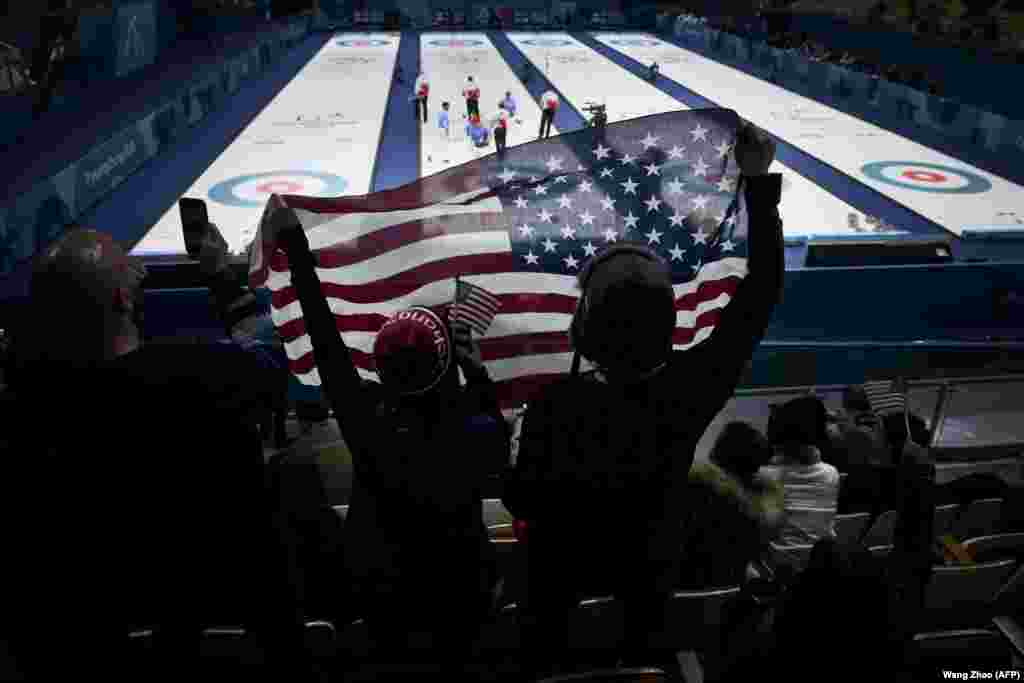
x: 598, y: 114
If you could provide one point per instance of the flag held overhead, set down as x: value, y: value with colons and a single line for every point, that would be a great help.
x: 520, y: 228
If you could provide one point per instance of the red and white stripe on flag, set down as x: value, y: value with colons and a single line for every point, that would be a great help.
x: 474, y: 306
x: 886, y: 396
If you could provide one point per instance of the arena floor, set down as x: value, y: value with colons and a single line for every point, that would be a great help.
x: 319, y: 135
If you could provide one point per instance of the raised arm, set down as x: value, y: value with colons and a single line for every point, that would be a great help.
x: 480, y: 395
x: 745, y: 319
x: 340, y: 380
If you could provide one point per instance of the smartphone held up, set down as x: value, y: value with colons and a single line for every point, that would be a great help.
x: 194, y: 222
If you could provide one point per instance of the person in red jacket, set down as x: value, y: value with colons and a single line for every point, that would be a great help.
x: 548, y: 105
x: 422, y: 92
x: 472, y: 94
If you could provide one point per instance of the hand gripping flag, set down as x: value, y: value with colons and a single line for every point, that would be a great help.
x: 520, y: 228
x: 474, y: 306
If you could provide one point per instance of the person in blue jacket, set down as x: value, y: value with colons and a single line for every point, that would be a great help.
x: 509, y: 105
x: 477, y: 132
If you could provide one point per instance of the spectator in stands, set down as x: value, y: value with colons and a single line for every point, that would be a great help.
x: 735, y: 511
x: 419, y: 556
x: 857, y: 436
x: 979, y: 485
x: 154, y: 485
x: 604, y: 456
x: 840, y: 612
x: 888, y: 400
x: 811, y: 486
x: 804, y: 45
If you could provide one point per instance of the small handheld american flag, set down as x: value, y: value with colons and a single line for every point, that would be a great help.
x: 887, y: 396
x: 474, y: 306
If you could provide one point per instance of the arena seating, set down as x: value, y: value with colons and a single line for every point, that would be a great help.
x: 850, y: 528
x: 979, y: 518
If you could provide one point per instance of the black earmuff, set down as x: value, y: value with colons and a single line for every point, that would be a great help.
x: 577, y: 329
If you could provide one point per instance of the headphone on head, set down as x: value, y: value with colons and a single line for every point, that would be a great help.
x: 577, y: 329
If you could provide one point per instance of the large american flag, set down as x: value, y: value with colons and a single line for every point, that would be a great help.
x: 521, y: 227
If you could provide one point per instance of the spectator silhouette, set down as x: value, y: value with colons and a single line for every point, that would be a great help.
x: 857, y: 437
x: 811, y: 486
x: 419, y: 557
x: 603, y: 456
x: 153, y: 486
x: 840, y: 610
x: 52, y: 217
x: 735, y: 511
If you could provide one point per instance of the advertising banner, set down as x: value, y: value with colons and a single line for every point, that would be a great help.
x: 135, y: 36
x: 106, y: 167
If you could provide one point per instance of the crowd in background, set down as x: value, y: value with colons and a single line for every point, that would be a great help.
x: 119, y: 531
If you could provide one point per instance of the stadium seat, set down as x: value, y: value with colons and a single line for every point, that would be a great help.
x: 596, y: 627
x: 883, y: 530
x: 1013, y: 633
x: 979, y: 518
x: 880, y: 551
x: 959, y: 650
x: 797, y: 555
x: 225, y: 651
x: 612, y: 676
x: 996, y: 546
x: 495, y: 512
x: 501, y: 636
x: 945, y: 515
x: 1010, y: 598
x: 963, y: 595
x: 849, y: 528
x: 354, y: 638
x: 511, y: 567
x: 695, y: 619
x: 501, y: 532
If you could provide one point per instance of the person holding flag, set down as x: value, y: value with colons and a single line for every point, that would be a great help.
x: 548, y: 107
x: 615, y: 445
x: 421, y: 450
x: 473, y: 307
x: 472, y: 94
x: 421, y: 91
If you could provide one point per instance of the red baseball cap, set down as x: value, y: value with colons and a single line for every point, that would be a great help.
x: 413, y: 350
